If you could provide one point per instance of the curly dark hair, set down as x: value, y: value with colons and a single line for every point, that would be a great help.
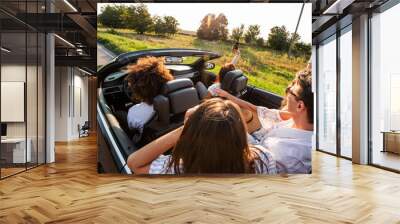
x: 146, y: 77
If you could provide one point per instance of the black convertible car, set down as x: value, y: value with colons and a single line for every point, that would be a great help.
x: 190, y: 67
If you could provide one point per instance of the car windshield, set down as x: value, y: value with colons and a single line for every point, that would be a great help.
x: 183, y: 60
x: 188, y: 60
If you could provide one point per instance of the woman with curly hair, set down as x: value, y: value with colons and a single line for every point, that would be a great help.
x: 145, y: 79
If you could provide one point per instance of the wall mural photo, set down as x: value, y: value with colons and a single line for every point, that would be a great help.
x: 204, y: 88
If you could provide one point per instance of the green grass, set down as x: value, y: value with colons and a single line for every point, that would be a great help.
x: 267, y: 70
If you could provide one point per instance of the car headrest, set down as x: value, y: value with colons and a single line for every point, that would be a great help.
x: 176, y: 97
x: 175, y: 85
x: 234, y: 82
x: 183, y: 99
x: 161, y: 106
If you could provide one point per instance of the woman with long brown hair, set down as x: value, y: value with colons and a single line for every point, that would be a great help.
x: 212, y: 140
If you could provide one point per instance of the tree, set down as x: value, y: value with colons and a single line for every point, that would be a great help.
x: 237, y: 33
x: 213, y: 28
x: 203, y: 32
x: 221, y: 24
x: 111, y: 16
x: 171, y: 25
x: 159, y: 25
x: 129, y: 17
x: 292, y: 40
x: 294, y: 37
x: 167, y: 25
x: 252, y: 33
x: 144, y: 23
x: 260, y: 42
x: 278, y: 38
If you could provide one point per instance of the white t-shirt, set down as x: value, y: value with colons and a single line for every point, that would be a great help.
x: 266, y: 166
x: 291, y: 147
x: 138, y: 115
x: 213, y: 87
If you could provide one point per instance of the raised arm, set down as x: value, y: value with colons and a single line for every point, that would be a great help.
x: 235, y: 58
x: 139, y: 161
x: 241, y: 103
x: 284, y: 115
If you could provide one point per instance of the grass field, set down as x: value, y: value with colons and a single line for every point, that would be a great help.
x: 265, y: 69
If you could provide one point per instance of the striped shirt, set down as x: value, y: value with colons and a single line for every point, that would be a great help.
x: 264, y: 165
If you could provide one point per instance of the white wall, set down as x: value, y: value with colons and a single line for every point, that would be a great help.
x: 33, y: 126
x: 71, y: 93
x: 314, y: 89
x: 61, y: 103
x: 10, y: 73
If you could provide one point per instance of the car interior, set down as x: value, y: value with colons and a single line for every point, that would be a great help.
x: 188, y: 89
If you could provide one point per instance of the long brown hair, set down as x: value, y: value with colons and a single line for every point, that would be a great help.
x: 214, y: 140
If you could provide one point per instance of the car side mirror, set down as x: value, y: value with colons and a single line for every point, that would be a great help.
x: 209, y: 65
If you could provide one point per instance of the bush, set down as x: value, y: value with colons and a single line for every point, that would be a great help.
x: 301, y: 49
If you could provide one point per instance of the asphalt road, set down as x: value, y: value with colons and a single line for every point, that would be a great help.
x: 103, y: 55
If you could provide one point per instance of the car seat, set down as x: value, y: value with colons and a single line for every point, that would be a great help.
x: 235, y: 82
x: 176, y: 97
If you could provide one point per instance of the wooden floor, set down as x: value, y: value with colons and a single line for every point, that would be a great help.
x: 70, y: 191
x: 387, y: 159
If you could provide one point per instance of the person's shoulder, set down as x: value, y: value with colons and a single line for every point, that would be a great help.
x: 215, y: 85
x: 267, y: 110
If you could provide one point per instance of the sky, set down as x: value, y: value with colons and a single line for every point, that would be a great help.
x: 267, y: 15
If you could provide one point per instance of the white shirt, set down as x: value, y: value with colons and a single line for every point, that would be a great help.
x: 291, y: 147
x: 266, y: 166
x: 138, y: 115
x: 212, y: 89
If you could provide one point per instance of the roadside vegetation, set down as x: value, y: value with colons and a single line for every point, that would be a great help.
x: 264, y: 61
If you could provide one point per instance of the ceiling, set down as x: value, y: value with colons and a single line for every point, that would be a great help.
x: 75, y: 22
x: 331, y: 15
x: 72, y: 20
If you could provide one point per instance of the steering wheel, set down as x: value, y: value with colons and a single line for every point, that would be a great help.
x: 126, y: 89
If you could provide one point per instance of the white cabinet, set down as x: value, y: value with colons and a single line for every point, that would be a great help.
x: 16, y: 147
